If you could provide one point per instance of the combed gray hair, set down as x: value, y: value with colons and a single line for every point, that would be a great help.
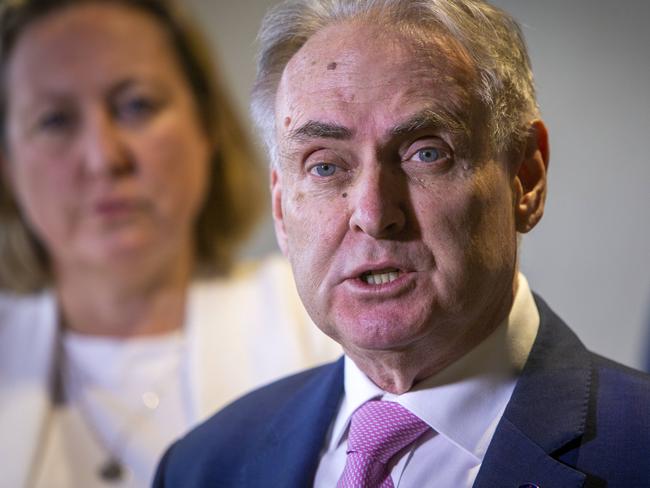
x: 491, y: 37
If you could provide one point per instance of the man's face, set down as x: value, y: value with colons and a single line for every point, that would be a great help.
x: 398, y: 222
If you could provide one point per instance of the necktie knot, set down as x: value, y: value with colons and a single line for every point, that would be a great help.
x: 378, y: 431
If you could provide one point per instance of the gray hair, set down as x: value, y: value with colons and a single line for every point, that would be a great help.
x: 492, y: 39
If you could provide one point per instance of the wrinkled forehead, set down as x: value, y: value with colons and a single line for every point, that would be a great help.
x: 356, y: 64
x: 361, y: 42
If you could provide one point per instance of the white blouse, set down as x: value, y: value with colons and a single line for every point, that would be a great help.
x: 126, y: 400
x: 239, y: 334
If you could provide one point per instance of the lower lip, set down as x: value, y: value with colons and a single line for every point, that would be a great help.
x: 403, y: 283
x: 115, y: 209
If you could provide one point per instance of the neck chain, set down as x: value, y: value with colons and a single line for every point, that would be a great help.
x: 76, y: 389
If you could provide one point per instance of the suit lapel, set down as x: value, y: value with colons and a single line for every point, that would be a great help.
x: 514, y: 460
x: 547, y: 411
x: 288, y: 452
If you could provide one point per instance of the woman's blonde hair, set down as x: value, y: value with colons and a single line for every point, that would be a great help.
x: 234, y: 196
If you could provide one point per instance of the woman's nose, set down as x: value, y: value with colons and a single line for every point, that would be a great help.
x: 106, y: 150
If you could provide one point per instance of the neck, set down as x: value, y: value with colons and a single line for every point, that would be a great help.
x: 141, y: 301
x: 399, y: 371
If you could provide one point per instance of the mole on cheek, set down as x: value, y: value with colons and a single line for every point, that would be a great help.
x: 331, y: 66
x: 344, y: 195
x: 287, y: 121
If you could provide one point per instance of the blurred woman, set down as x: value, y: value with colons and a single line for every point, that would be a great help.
x: 127, y: 187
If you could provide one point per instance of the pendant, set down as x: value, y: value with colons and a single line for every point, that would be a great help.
x: 111, y: 471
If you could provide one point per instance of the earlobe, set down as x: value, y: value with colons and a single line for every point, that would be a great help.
x: 278, y: 213
x: 530, y: 180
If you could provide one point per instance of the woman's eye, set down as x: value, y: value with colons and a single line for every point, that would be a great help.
x: 429, y: 154
x: 136, y: 108
x: 324, y: 169
x: 55, y: 121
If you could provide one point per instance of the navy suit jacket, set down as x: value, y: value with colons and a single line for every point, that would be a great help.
x: 575, y: 419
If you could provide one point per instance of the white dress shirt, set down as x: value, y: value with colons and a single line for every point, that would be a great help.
x: 462, y: 404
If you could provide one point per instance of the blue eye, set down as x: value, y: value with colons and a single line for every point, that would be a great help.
x: 429, y: 154
x: 324, y: 169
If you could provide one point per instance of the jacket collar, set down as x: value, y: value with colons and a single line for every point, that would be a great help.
x: 547, y: 411
x: 288, y: 452
x: 28, y: 340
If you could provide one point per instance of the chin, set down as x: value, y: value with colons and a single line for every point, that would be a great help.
x: 382, y: 333
x: 125, y: 249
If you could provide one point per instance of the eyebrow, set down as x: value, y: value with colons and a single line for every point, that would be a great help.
x: 432, y: 119
x: 320, y: 130
x: 425, y: 119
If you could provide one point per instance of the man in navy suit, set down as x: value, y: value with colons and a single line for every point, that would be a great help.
x: 407, y: 157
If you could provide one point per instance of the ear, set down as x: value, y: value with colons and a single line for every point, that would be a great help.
x: 278, y: 212
x: 530, y: 178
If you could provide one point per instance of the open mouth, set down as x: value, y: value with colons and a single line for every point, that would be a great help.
x: 380, y: 277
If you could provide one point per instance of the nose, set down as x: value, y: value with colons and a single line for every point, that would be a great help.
x: 105, y: 149
x: 377, y: 202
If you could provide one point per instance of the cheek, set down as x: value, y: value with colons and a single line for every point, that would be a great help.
x: 44, y: 188
x: 175, y: 166
x: 315, y: 226
x: 300, y: 222
x: 444, y: 215
x: 468, y: 224
x: 490, y: 223
x: 309, y: 217
x: 35, y: 166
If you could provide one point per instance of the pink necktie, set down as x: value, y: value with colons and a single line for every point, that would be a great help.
x: 378, y: 431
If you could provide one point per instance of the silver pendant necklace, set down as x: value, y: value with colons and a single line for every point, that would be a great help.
x: 113, y: 468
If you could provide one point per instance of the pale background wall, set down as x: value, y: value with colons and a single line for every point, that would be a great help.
x: 590, y: 255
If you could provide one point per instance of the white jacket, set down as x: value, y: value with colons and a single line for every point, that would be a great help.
x: 241, y: 332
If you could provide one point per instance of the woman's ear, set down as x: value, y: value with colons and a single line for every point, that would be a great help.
x: 530, y: 178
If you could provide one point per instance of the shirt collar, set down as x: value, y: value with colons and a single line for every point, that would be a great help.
x: 466, y: 400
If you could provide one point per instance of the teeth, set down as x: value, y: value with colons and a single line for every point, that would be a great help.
x: 380, y: 278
